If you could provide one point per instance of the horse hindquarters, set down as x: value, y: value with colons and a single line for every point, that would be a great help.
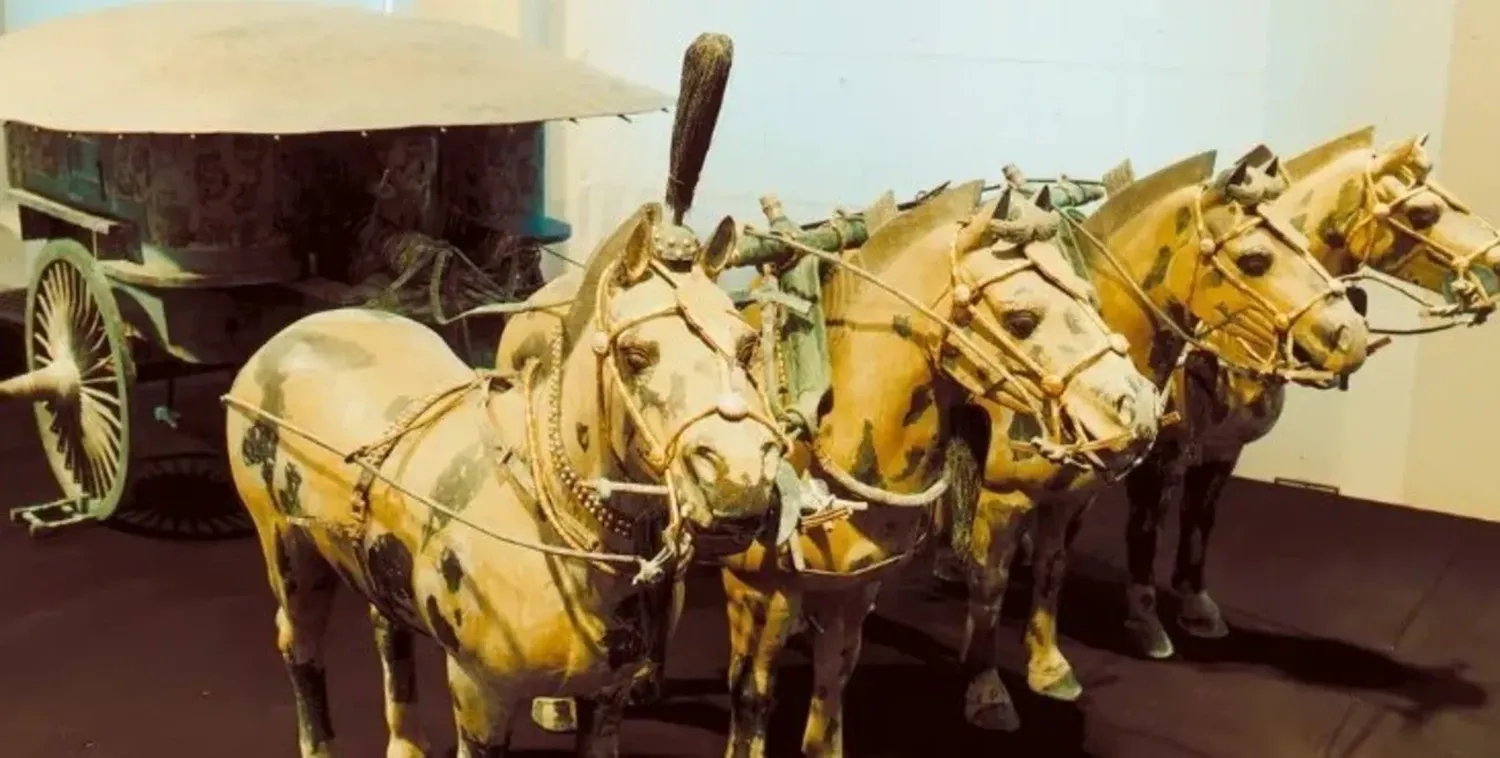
x: 304, y: 584
x: 336, y: 375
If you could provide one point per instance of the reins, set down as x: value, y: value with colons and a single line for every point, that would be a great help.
x: 1473, y: 298
x: 647, y: 571
x: 1280, y: 366
x: 1032, y: 391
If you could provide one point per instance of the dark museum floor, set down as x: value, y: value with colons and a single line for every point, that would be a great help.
x: 1359, y: 630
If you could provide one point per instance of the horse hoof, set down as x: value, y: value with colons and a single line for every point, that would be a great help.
x: 1151, y: 639
x: 1065, y: 688
x: 1201, y: 617
x: 555, y: 714
x: 995, y: 717
x: 399, y: 748
x: 987, y: 704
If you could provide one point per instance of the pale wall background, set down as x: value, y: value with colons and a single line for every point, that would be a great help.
x: 836, y: 101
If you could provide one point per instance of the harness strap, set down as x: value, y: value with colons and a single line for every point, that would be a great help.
x: 374, y: 454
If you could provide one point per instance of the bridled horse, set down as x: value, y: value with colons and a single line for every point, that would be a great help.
x: 998, y: 279
x: 1360, y: 208
x: 1173, y: 256
x: 580, y: 487
x: 1009, y: 320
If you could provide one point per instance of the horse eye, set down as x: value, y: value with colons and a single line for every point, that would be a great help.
x: 1254, y: 262
x: 1423, y: 216
x: 637, y: 357
x: 1021, y: 323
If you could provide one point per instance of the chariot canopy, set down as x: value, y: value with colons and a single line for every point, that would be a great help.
x: 290, y: 68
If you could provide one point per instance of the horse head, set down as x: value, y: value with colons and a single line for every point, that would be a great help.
x: 668, y: 356
x: 1016, y: 290
x: 1245, y: 281
x: 1389, y: 215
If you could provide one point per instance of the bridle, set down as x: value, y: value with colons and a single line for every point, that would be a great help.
x: 1279, y: 363
x: 1471, y: 295
x: 1029, y: 388
x: 969, y: 356
x: 661, y: 447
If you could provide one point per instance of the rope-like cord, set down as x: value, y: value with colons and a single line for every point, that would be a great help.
x: 644, y: 567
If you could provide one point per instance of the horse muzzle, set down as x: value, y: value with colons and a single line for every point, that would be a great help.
x: 1119, y: 421
x: 1333, y: 339
x: 729, y: 493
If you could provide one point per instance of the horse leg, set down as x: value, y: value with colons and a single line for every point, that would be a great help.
x: 997, y: 524
x: 393, y: 643
x: 559, y: 715
x: 599, y: 720
x: 838, y: 626
x: 1048, y: 672
x: 760, y: 621
x: 1202, y: 486
x: 650, y: 685
x: 481, y: 714
x: 304, y: 584
x: 1150, y: 490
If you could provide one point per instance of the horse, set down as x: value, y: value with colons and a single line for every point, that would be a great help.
x: 1361, y: 208
x: 1173, y: 255
x: 358, y: 439
x: 995, y: 269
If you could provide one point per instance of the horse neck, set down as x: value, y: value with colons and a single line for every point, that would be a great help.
x: 1148, y: 244
x: 888, y: 405
x: 1331, y: 199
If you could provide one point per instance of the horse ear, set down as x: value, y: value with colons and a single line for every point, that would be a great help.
x: 1043, y: 199
x: 640, y: 248
x: 1002, y: 208
x: 1422, y: 140
x: 1240, y: 174
x: 722, y: 247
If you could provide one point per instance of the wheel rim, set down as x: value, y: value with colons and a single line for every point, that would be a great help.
x: 74, y: 333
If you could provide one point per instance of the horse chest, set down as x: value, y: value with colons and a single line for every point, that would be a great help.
x: 1245, y: 419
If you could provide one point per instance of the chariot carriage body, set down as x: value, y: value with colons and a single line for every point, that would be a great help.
x: 198, y: 176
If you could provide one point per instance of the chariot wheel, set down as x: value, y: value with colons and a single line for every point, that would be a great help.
x: 182, y: 496
x: 79, y: 377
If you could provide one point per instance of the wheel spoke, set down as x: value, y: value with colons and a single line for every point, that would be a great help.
x: 102, y: 396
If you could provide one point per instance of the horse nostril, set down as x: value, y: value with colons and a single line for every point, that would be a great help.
x: 705, y: 463
x: 1125, y: 409
x: 1338, y: 339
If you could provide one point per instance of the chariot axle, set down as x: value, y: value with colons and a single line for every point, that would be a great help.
x: 55, y: 381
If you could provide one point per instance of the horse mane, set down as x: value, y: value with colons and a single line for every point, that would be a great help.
x: 896, y: 236
x: 1141, y: 194
x: 606, y: 252
x: 1316, y: 158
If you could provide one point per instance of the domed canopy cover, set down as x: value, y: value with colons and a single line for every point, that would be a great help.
x: 288, y: 68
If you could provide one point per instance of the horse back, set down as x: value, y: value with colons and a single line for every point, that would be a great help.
x: 316, y: 391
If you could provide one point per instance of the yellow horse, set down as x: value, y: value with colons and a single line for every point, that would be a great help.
x: 1175, y: 255
x: 1361, y: 208
x: 995, y: 281
x: 358, y: 438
